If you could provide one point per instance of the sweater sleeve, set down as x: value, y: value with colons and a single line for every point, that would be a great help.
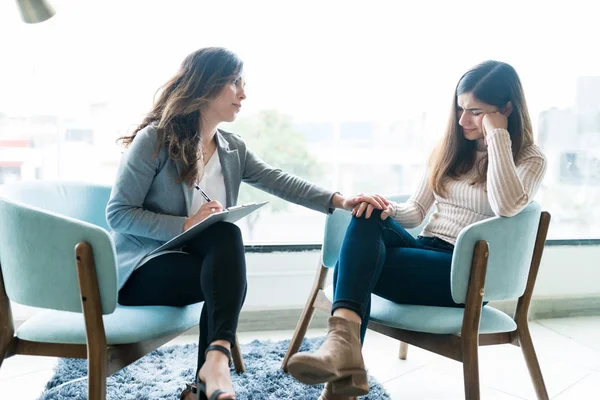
x: 412, y: 213
x: 511, y: 186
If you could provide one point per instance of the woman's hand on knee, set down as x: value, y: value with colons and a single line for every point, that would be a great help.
x: 366, y: 208
x: 387, y: 212
x: 204, y: 212
x: 377, y: 201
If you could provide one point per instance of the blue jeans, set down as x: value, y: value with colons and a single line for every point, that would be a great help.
x: 381, y: 257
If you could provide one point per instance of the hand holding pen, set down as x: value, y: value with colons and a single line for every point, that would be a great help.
x: 212, y: 206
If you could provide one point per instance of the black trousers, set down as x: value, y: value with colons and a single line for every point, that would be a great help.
x: 213, y: 271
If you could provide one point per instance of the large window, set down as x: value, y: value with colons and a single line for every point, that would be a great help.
x: 351, y: 95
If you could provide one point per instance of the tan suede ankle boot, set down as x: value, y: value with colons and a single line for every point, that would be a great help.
x: 327, y: 394
x: 339, y: 360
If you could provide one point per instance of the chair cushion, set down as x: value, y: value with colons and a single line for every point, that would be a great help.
x: 124, y: 325
x: 440, y: 320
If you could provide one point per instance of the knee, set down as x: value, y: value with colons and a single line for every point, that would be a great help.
x: 373, y: 222
x: 227, y: 245
x: 227, y: 234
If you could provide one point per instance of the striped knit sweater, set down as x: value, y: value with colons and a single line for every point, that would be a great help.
x: 510, y: 187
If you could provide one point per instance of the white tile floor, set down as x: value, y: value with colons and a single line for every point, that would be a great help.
x: 568, y: 350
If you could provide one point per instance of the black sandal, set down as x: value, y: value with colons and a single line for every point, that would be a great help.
x: 201, y: 386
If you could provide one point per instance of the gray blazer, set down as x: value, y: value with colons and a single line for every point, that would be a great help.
x: 147, y: 206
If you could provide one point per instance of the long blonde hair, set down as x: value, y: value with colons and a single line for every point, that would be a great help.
x: 491, y: 82
x: 178, y: 111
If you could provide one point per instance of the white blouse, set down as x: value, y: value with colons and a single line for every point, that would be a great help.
x: 212, y: 183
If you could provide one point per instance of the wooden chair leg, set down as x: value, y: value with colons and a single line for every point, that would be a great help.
x: 471, y: 367
x: 532, y: 362
x: 97, y: 364
x: 300, y: 331
x: 7, y: 329
x: 523, y: 336
x: 306, y: 316
x: 97, y: 351
x: 471, y: 320
x: 238, y: 361
x: 403, y: 350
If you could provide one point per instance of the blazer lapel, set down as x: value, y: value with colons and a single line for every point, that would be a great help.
x: 187, y: 192
x: 230, y: 164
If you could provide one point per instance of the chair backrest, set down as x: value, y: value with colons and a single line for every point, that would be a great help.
x: 511, y: 243
x: 79, y: 200
x: 40, y: 224
x: 335, y: 229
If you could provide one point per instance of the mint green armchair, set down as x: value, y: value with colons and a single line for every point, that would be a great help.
x: 495, y: 259
x: 56, y: 254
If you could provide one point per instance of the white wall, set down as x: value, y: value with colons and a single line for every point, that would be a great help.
x: 569, y: 271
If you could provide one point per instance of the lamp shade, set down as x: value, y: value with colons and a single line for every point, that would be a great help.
x: 35, y: 11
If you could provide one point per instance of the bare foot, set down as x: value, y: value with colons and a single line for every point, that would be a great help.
x: 215, y: 373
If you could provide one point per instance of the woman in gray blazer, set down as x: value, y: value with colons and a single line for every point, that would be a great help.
x: 176, y: 151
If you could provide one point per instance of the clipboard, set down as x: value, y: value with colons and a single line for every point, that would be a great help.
x: 231, y: 214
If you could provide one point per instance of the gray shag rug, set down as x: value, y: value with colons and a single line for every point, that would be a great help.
x: 163, y: 373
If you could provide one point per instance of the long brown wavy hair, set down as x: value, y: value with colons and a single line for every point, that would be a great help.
x: 178, y: 111
x: 491, y: 82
